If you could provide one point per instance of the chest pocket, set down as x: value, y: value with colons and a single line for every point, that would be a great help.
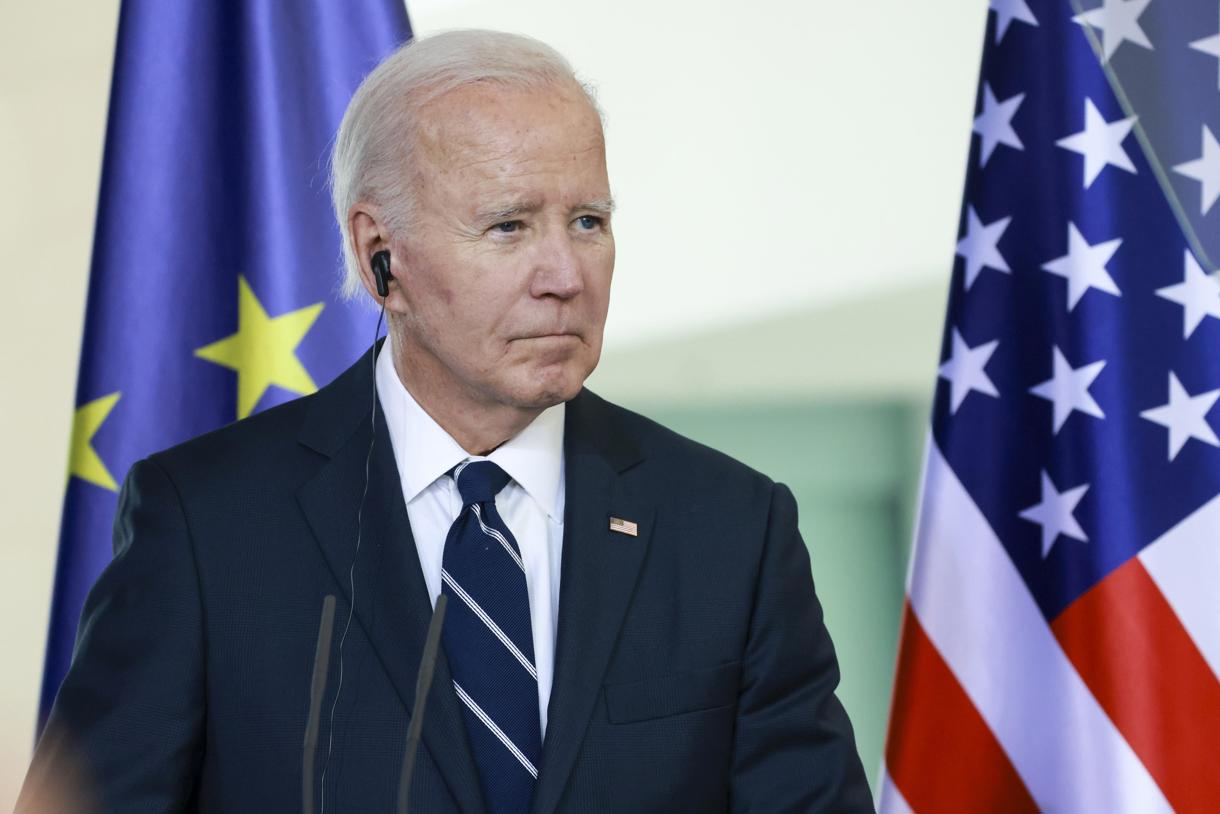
x: 661, y: 696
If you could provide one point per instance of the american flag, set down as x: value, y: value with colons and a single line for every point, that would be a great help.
x: 1061, y: 638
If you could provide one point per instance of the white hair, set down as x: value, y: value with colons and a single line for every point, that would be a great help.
x: 374, y: 149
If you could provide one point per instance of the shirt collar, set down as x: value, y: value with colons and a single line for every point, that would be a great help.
x: 424, y: 451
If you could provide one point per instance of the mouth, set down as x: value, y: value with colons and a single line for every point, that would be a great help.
x: 559, y: 335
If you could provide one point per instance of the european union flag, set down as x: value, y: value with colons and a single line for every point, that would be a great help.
x: 214, y: 280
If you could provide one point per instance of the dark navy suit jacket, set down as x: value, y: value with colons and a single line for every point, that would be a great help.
x: 693, y: 672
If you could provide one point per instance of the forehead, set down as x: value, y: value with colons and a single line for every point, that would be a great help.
x: 491, y: 132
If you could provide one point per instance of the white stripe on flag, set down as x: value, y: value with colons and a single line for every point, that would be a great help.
x: 977, y: 610
x: 889, y: 798
x: 1184, y: 563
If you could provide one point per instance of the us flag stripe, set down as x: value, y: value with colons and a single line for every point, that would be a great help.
x: 1151, y: 680
x: 943, y: 756
x: 1184, y: 564
x: 889, y: 797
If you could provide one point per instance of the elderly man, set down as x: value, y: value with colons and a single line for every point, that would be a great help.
x: 631, y: 622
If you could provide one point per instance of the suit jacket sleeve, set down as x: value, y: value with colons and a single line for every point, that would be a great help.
x: 127, y: 724
x: 794, y: 750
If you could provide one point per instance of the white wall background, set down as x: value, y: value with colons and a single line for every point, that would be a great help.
x: 768, y: 157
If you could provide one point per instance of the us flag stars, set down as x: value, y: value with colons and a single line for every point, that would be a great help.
x: 965, y: 370
x: 1084, y: 266
x: 994, y: 124
x: 1198, y: 294
x: 1211, y: 47
x: 1119, y: 23
x: 1206, y: 170
x: 1185, y: 416
x: 1008, y: 10
x: 1100, y: 142
x: 1055, y: 513
x: 1068, y: 389
x: 1092, y: 248
x: 979, y: 248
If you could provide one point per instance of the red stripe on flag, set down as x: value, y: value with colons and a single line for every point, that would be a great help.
x: 940, y: 752
x: 1148, y: 675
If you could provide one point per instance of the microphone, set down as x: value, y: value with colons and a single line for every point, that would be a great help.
x: 317, y: 688
x: 422, y: 684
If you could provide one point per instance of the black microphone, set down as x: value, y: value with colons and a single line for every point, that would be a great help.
x: 317, y: 688
x: 422, y: 684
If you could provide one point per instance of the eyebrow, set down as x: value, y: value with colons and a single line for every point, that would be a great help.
x: 603, y: 206
x: 508, y: 212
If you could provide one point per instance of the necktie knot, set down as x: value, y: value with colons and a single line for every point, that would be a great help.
x: 479, y: 481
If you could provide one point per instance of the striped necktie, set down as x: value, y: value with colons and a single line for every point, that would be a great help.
x: 489, y: 642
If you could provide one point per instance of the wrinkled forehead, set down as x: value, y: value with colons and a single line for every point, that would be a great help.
x: 494, y: 128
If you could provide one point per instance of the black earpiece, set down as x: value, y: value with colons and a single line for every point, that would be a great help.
x: 381, y: 271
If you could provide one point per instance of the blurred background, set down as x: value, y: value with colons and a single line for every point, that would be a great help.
x: 789, y: 178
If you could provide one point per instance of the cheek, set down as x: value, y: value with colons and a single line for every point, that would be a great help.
x: 601, y: 272
x: 442, y: 296
x: 432, y: 296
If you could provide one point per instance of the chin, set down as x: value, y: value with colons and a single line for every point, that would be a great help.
x: 542, y: 398
x: 548, y: 389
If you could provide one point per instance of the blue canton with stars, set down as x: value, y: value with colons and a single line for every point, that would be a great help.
x: 1080, y: 373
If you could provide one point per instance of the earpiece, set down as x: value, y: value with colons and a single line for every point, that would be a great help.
x: 381, y: 272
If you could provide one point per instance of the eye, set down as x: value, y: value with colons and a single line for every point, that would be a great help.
x: 508, y: 227
x: 589, y: 222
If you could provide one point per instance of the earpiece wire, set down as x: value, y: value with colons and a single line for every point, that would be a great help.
x: 351, y: 573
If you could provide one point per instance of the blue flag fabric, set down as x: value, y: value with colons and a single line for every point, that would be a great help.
x: 213, y: 290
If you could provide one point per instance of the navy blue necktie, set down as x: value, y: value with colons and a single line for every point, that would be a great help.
x: 489, y: 642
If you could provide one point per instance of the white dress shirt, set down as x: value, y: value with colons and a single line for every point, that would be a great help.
x: 531, y: 505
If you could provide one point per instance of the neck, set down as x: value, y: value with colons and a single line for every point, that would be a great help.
x: 478, y: 426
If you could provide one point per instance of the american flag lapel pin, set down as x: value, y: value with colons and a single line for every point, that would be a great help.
x: 624, y: 527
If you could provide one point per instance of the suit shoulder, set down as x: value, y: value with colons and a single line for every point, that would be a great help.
x: 659, y: 443
x: 237, y: 448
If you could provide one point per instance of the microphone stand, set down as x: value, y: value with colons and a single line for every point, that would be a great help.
x: 422, y: 684
x: 317, y: 688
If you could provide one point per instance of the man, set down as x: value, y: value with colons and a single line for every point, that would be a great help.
x: 631, y: 627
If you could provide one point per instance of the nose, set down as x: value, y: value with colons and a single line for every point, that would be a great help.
x: 557, y: 270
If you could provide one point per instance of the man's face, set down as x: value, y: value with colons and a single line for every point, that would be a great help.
x: 506, y: 269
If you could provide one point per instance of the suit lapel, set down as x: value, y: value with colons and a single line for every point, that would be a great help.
x: 391, y: 599
x: 597, y: 578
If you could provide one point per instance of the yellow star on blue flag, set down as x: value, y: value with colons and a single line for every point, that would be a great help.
x: 263, y: 351
x: 83, y: 460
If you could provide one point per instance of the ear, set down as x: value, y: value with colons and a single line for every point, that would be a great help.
x: 369, y: 235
